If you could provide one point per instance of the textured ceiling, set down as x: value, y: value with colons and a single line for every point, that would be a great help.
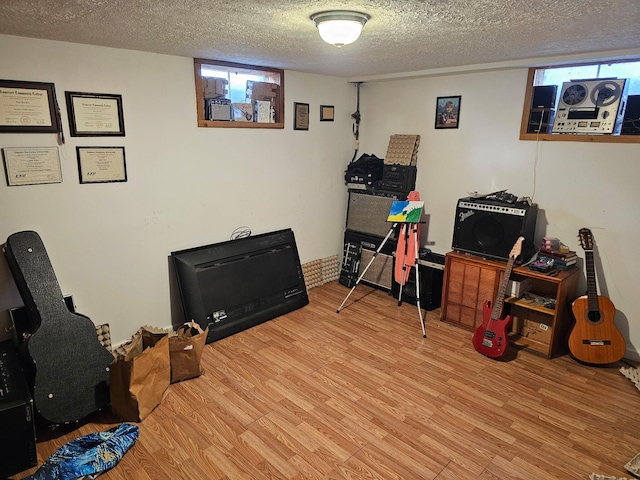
x: 401, y: 36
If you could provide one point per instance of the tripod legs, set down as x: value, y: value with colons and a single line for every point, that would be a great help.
x: 417, y: 267
x: 405, y: 271
x: 367, y: 267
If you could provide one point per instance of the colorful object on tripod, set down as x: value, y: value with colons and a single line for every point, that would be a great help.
x: 409, y: 213
x: 405, y: 211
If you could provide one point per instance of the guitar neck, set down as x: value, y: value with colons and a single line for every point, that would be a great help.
x: 502, y: 289
x: 592, y: 289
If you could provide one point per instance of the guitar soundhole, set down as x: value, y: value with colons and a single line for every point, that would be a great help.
x: 594, y: 316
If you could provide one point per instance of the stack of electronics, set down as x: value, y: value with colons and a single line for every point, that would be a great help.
x: 374, y: 184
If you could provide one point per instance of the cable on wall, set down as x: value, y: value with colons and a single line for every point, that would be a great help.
x: 356, y: 122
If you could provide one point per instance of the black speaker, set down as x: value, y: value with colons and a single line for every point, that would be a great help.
x: 368, y: 211
x: 17, y: 435
x: 631, y: 121
x: 380, y: 272
x: 544, y: 96
x: 541, y: 120
x: 430, y: 275
x: 490, y: 228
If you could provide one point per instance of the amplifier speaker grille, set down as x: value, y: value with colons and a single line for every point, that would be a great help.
x: 368, y: 213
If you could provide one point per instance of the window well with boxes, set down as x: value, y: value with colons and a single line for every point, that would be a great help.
x: 238, y: 96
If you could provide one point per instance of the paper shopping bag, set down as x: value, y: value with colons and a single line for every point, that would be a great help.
x: 139, y: 379
x: 185, y: 350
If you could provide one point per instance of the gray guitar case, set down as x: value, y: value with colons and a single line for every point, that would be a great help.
x: 66, y: 366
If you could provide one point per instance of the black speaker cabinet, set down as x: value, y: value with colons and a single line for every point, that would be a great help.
x: 490, y: 228
x: 380, y: 272
x: 430, y: 274
x: 17, y: 434
x: 368, y: 211
x: 541, y: 120
x: 631, y: 121
x: 544, y: 96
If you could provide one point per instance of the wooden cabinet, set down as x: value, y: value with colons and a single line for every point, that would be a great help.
x: 541, y: 320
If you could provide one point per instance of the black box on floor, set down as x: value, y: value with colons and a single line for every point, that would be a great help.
x: 431, y: 274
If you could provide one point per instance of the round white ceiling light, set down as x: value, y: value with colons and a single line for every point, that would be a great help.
x: 339, y: 27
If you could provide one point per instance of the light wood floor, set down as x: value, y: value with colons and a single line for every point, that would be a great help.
x: 361, y: 395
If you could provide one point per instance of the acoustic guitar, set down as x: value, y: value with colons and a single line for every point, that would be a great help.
x: 594, y: 338
x: 490, y: 338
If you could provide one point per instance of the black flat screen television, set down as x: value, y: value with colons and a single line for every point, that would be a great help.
x: 234, y: 285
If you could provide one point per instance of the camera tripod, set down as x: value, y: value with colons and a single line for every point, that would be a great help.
x: 405, y: 271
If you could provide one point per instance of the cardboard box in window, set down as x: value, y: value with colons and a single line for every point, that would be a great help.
x: 264, y: 112
x: 215, y: 87
x: 242, y: 112
x: 262, y: 90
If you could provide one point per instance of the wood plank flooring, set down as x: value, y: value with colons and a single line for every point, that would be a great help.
x: 361, y: 395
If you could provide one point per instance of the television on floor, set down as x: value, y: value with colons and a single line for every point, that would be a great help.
x: 234, y: 285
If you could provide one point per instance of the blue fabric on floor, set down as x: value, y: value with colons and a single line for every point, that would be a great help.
x: 88, y: 456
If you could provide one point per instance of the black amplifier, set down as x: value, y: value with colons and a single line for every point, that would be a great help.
x: 490, y: 228
x: 399, y: 178
x: 17, y: 435
x: 359, y: 250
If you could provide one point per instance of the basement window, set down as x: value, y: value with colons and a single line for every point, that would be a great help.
x: 598, y: 102
x: 234, y: 95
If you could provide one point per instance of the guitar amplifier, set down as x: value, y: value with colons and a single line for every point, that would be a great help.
x: 361, y: 249
x: 17, y: 435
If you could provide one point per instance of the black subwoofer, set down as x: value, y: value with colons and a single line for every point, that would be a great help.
x: 490, y: 228
x: 430, y: 289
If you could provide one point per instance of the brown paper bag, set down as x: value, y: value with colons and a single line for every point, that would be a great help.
x: 185, y: 350
x: 139, y: 379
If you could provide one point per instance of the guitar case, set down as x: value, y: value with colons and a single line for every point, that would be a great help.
x: 66, y: 366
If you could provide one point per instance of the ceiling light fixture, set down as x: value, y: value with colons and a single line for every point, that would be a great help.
x: 339, y: 27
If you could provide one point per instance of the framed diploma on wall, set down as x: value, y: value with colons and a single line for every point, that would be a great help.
x: 32, y: 165
x: 28, y: 107
x: 95, y: 114
x: 101, y: 164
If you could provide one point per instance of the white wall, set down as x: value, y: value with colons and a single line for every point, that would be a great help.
x: 575, y: 184
x: 187, y: 186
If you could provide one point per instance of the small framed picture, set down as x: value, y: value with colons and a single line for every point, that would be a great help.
x: 326, y: 113
x: 448, y: 112
x: 301, y: 116
x: 95, y: 114
x: 101, y: 164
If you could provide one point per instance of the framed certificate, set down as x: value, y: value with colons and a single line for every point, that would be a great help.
x: 28, y: 107
x: 32, y: 165
x: 101, y: 164
x: 95, y: 114
x: 326, y: 113
x: 300, y: 116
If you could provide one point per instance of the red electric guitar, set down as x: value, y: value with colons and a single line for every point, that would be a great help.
x: 490, y: 338
x: 594, y: 338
